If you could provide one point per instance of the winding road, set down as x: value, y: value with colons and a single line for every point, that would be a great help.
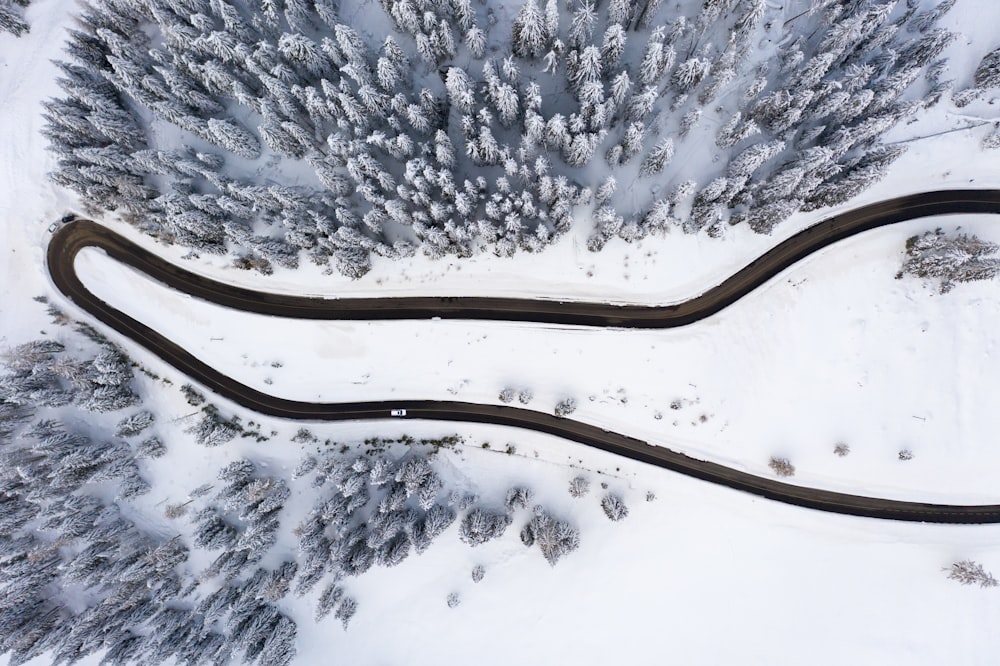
x: 72, y: 237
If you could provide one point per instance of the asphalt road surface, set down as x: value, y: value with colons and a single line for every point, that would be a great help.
x: 70, y: 238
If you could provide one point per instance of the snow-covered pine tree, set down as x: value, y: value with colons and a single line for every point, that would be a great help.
x: 529, y: 33
x: 11, y: 20
x: 658, y: 158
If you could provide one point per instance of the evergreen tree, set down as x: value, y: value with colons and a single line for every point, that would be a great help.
x: 11, y: 21
x: 988, y: 72
x: 234, y: 138
x: 658, y: 158
x: 529, y: 34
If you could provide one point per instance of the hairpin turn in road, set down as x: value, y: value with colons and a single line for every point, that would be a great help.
x: 71, y: 238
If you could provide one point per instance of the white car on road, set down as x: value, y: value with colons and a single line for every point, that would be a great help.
x: 397, y: 412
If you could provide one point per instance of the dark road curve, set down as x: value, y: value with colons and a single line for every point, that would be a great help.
x: 69, y: 239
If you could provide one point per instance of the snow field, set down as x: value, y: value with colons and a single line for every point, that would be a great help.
x: 833, y: 350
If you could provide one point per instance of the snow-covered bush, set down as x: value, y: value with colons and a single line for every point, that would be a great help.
x: 579, y: 486
x: 565, y: 407
x: 614, y: 507
x: 950, y: 258
x: 968, y: 572
x: 781, y: 466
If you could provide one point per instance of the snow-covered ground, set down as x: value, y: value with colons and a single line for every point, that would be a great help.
x: 833, y: 350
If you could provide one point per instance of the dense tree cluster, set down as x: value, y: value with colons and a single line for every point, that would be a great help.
x: 81, y: 574
x: 77, y: 575
x: 554, y: 537
x: 40, y: 374
x: 273, y: 128
x: 372, y: 510
x: 950, y: 258
x: 242, y: 520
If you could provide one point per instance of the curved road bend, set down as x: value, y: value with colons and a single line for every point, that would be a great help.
x: 73, y: 237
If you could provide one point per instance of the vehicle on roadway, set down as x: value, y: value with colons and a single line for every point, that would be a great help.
x: 397, y: 412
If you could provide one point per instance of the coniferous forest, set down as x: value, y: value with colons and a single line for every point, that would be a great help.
x: 290, y: 130
x: 87, y: 567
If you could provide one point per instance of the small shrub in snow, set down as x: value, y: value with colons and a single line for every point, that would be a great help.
x: 650, y: 496
x: 906, y: 454
x: 565, y: 407
x: 614, y: 507
x: 841, y: 449
x: 507, y: 395
x: 968, y: 572
x: 453, y: 600
x: 525, y: 396
x: 175, y: 510
x: 579, y: 486
x: 193, y: 397
x: 781, y: 466
x: 478, y: 572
